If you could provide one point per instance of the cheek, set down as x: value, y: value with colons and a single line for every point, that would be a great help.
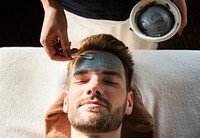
x: 73, y: 95
x: 117, y: 96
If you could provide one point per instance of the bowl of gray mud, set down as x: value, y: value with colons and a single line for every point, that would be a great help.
x: 155, y: 20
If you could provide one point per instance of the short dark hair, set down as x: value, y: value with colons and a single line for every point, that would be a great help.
x: 108, y: 43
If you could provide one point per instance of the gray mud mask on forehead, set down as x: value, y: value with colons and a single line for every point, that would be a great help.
x: 97, y: 59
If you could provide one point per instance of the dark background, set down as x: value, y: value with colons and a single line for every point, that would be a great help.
x: 21, y: 22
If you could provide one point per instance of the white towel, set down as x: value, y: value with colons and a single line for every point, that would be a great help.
x: 29, y: 84
x: 170, y: 86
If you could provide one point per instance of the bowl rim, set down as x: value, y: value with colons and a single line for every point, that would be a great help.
x: 172, y: 8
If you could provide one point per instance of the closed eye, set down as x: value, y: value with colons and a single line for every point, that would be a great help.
x: 81, y: 81
x: 110, y: 82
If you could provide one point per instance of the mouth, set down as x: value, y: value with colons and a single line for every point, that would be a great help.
x: 93, y: 104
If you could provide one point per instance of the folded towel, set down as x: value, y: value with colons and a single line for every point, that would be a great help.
x: 139, y: 124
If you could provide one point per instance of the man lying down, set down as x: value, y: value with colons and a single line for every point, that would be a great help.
x: 99, y: 100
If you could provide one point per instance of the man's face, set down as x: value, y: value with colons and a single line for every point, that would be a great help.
x: 96, y: 100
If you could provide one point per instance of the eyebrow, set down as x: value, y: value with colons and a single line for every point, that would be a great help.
x: 81, y: 72
x: 111, y: 73
x: 104, y: 72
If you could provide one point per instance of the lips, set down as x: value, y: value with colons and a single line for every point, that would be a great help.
x: 93, y: 103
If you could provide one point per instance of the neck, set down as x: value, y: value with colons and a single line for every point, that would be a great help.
x: 77, y: 134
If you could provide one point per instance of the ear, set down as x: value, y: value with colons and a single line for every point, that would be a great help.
x: 65, y: 106
x: 130, y: 101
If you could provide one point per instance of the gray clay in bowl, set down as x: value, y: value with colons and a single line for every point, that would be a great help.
x: 155, y: 20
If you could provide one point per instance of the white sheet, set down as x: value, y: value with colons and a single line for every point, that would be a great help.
x: 169, y: 82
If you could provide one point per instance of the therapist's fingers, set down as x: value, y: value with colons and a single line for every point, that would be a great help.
x: 65, y: 44
x: 181, y: 4
x: 48, y: 44
x: 59, y: 52
x: 53, y: 47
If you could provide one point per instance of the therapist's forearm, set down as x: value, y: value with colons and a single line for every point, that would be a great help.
x: 51, y: 4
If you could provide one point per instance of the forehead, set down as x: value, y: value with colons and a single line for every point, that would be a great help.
x: 94, y: 60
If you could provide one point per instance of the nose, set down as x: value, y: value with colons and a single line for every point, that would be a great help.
x: 94, y: 86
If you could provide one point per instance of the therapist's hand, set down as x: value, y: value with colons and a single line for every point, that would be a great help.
x: 181, y: 4
x: 54, y: 36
